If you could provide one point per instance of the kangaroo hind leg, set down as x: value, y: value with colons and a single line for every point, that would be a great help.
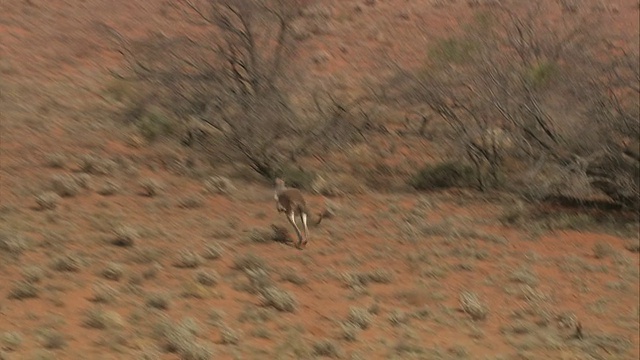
x: 292, y: 220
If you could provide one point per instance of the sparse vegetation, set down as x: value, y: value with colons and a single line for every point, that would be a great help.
x: 327, y: 348
x: 103, y: 293
x: 219, y: 185
x: 52, y: 339
x: 188, y: 259
x: 261, y: 236
x: 48, y: 200
x: 444, y: 175
x: 360, y: 317
x: 67, y: 263
x: 350, y: 331
x: 23, y: 290
x: 108, y: 188
x: 151, y: 187
x: 56, y: 160
x: 181, y: 338
x: 158, y: 301
x: 192, y: 201
x: 99, y: 318
x: 13, y: 244
x: 113, y: 271
x: 124, y: 236
x: 472, y: 306
x: 602, y: 250
x: 279, y: 299
x: 207, y: 277
x: 486, y: 180
x: 96, y: 165
x: 229, y: 336
x: 249, y: 262
x: 11, y: 340
x: 213, y: 251
x: 33, y: 274
x: 65, y: 185
x: 361, y: 279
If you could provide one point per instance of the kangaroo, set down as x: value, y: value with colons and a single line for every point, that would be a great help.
x: 291, y: 202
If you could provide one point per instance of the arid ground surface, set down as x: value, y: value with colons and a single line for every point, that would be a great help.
x: 132, y: 260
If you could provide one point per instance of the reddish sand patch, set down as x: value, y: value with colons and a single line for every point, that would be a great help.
x: 402, y: 260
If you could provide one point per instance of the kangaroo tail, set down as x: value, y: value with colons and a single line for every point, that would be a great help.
x: 324, y: 214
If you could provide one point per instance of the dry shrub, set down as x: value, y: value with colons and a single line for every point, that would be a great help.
x: 279, y: 299
x: 336, y: 185
x: 444, y: 175
x: 33, y: 274
x: 93, y: 164
x: 602, y: 250
x: 188, y: 259
x: 181, y: 338
x: 52, y: 339
x: 23, y: 290
x: 158, y: 301
x: 13, y: 244
x: 104, y: 294
x: 124, y: 236
x: 229, y: 336
x: 151, y: 187
x: 67, y: 263
x: 56, y: 160
x: 261, y: 236
x: 48, y: 200
x: 472, y: 306
x: 207, y: 277
x: 360, y: 317
x: 219, y: 185
x: 327, y: 348
x: 249, y: 262
x: 113, y: 271
x: 65, y: 185
x: 103, y: 319
x: 213, y: 251
x: 11, y: 340
x: 191, y: 201
x: 108, y: 188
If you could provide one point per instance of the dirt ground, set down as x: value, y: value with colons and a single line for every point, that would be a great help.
x: 136, y: 261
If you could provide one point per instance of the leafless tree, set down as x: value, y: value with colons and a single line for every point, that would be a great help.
x: 237, y: 79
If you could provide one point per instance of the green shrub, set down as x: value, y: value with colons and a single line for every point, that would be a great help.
x: 297, y: 178
x: 444, y: 175
x: 154, y: 124
x: 452, y: 50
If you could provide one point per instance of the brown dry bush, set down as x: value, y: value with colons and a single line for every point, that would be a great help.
x: 188, y: 259
x: 277, y: 298
x: 236, y: 96
x: 158, y: 301
x: 124, y: 236
x: 151, y: 187
x: 213, y: 251
x: 68, y: 263
x: 13, y: 244
x: 533, y: 105
x: 472, y: 306
x: 52, y: 339
x: 47, y: 200
x: 65, y: 185
x: 181, y: 338
x: 23, y: 290
x: 219, y: 185
x: 113, y: 271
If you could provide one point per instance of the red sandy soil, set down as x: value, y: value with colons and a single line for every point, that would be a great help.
x: 536, y: 284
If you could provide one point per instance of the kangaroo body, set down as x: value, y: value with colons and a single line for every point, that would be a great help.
x: 291, y: 202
